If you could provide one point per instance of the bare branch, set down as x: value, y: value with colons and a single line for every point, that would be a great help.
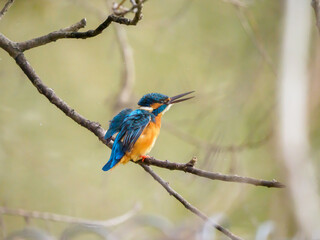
x: 56, y: 35
x: 189, y: 168
x: 6, y: 8
x: 316, y: 6
x: 68, y: 219
x: 186, y: 204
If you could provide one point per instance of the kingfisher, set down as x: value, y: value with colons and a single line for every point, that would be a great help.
x: 137, y: 130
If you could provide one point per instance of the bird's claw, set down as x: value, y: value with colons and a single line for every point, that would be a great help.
x: 143, y: 157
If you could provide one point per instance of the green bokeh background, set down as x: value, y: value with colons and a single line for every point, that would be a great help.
x: 49, y: 163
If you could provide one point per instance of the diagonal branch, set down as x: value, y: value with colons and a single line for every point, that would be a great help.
x: 186, y: 204
x: 189, y: 168
x: 6, y: 8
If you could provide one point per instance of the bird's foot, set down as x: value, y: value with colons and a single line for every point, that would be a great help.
x: 143, y: 157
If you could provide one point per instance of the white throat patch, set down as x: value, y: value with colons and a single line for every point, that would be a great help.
x: 149, y: 109
x: 167, y: 109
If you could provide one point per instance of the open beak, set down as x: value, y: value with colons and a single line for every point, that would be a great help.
x: 179, y: 98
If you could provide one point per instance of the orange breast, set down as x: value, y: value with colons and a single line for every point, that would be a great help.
x: 145, y: 142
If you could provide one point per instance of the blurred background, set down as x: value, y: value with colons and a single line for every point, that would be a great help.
x: 227, y: 51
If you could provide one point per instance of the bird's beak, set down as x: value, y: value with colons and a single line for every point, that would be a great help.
x: 179, y: 98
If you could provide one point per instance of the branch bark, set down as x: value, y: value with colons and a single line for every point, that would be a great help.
x: 189, y: 168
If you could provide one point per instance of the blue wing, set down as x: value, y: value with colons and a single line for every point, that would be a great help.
x: 130, y: 130
x: 116, y: 122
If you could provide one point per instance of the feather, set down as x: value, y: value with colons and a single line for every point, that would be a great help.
x: 116, y: 122
x: 129, y: 132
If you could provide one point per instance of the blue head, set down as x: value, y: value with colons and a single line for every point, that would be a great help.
x: 159, y: 103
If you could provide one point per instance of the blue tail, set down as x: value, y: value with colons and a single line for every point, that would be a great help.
x: 115, y: 157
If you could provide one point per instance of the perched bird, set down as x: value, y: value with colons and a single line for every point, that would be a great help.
x: 138, y: 129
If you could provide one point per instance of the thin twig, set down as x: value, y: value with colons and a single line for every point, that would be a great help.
x: 189, y: 168
x: 6, y: 8
x: 68, y: 219
x: 75, y: 27
x: 186, y: 204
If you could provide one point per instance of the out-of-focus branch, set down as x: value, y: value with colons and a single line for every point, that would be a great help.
x: 237, y: 3
x: 189, y: 168
x: 124, y: 96
x: 316, y: 6
x: 2, y: 227
x: 186, y: 204
x: 68, y: 219
x: 6, y: 8
x: 252, y: 35
x: 128, y: 70
x: 293, y: 94
x: 211, y: 146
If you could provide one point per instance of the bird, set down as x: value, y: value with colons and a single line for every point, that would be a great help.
x: 137, y: 130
